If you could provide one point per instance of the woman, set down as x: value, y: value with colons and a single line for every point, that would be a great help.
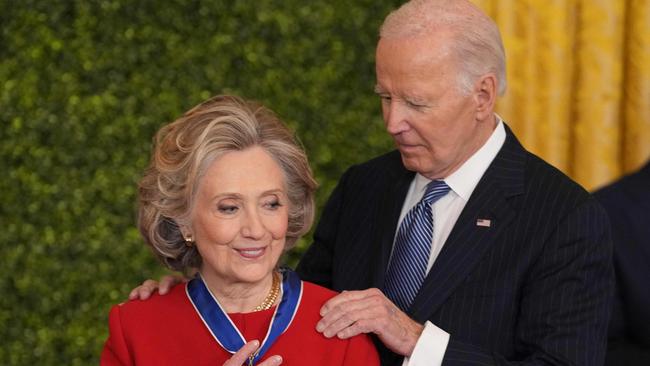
x: 226, y: 193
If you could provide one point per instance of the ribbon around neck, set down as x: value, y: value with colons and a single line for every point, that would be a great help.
x: 222, y: 328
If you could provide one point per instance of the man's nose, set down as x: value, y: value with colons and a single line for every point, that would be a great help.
x: 395, y: 118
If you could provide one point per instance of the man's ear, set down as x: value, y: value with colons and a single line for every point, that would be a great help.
x: 485, y: 94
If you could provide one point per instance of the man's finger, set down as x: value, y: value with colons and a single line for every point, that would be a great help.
x: 347, y: 296
x: 167, y: 282
x: 139, y: 293
x: 336, y: 326
x: 346, y: 314
x: 143, y: 291
x: 358, y: 327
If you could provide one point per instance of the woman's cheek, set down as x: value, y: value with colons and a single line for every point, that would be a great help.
x: 279, y: 225
x: 219, y: 231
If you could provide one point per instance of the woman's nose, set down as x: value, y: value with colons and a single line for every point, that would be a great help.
x: 253, y: 227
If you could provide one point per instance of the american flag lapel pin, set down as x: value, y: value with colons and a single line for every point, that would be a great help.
x: 483, y: 222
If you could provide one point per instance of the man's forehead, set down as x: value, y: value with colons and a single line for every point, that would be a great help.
x: 429, y: 46
x: 413, y: 56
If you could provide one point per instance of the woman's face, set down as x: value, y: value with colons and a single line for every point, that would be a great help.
x: 240, y: 217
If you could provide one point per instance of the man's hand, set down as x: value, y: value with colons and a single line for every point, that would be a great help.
x: 241, y: 356
x: 369, y: 311
x: 145, y: 290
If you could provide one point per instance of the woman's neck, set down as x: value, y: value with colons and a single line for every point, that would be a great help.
x: 238, y: 297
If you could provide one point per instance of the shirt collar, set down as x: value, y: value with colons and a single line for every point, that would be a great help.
x: 464, y: 179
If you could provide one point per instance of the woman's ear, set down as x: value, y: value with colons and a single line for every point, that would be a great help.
x: 187, y: 236
x: 186, y: 231
x: 485, y: 93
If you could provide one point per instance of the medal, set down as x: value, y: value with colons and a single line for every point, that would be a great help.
x: 251, y: 358
x: 225, y: 332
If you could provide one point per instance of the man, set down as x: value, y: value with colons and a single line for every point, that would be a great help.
x: 516, y: 267
x: 519, y: 264
x: 627, y: 201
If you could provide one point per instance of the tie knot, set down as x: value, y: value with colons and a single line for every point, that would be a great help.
x: 435, y: 190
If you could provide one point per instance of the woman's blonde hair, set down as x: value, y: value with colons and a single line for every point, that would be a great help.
x: 183, y: 151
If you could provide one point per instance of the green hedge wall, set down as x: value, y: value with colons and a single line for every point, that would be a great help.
x: 83, y: 87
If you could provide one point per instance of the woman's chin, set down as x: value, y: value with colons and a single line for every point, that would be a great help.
x: 253, y: 273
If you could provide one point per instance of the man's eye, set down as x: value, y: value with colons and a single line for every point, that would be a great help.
x: 415, y: 105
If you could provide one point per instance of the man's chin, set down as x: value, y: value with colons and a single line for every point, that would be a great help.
x: 418, y: 165
x: 410, y: 162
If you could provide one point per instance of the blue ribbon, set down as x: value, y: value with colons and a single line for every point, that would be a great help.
x: 224, y: 330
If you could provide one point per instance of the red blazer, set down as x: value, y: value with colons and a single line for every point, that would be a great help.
x: 166, y: 330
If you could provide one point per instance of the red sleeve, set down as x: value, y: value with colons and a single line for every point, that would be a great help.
x: 361, y: 351
x: 115, y: 350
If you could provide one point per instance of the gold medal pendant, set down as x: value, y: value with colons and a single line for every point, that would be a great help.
x: 286, y: 286
x: 251, y: 358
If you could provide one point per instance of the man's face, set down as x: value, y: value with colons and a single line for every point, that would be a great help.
x: 433, y: 123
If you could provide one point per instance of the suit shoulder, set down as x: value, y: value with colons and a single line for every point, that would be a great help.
x: 632, y: 187
x: 390, y: 161
x: 376, y: 172
x: 548, y: 190
x: 542, y: 176
x: 627, y: 198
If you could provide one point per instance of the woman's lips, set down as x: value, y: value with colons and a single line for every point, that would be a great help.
x: 251, y: 253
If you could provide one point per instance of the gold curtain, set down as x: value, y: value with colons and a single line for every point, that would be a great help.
x: 578, y: 82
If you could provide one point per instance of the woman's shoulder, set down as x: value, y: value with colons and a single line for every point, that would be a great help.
x: 153, y: 307
x: 158, y: 330
x: 358, y: 350
x: 316, y: 294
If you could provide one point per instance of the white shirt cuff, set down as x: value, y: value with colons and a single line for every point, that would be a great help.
x: 430, y: 348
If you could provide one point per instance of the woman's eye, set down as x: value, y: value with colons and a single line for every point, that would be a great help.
x: 273, y: 205
x: 227, y: 209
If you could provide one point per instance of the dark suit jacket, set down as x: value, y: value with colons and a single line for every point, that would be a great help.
x: 627, y: 202
x: 534, y: 287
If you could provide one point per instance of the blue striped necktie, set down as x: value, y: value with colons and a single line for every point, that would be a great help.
x: 412, y: 248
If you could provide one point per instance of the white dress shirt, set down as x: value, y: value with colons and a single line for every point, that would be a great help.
x: 432, y: 344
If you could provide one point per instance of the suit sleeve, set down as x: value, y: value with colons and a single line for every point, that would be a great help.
x: 629, y: 327
x: 565, y: 305
x: 115, y: 350
x: 622, y: 348
x: 316, y: 264
x: 361, y: 351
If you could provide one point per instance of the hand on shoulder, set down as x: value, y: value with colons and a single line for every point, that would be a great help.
x: 369, y: 311
x: 148, y: 287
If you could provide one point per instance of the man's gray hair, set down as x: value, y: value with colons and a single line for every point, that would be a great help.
x: 476, y: 41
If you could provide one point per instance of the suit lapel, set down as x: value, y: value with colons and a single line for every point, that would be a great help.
x: 470, y: 238
x: 390, y: 210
